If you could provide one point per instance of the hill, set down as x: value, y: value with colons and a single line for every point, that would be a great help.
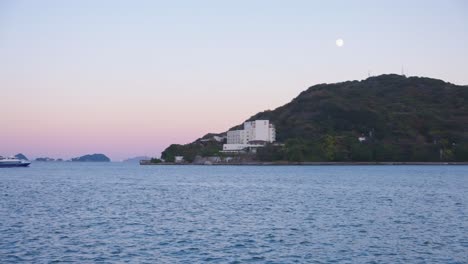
x: 92, y: 157
x: 396, y: 118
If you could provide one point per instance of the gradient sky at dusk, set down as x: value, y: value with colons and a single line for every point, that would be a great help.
x: 128, y: 78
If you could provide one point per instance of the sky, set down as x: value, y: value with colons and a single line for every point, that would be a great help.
x: 129, y: 78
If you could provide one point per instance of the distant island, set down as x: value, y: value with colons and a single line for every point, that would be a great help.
x: 20, y: 156
x: 47, y: 159
x: 386, y: 118
x: 92, y: 157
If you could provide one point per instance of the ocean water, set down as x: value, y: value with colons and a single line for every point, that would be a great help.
x: 115, y: 212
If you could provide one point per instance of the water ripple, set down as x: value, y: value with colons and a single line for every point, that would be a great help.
x: 68, y: 212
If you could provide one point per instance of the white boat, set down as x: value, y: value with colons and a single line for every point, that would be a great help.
x: 13, y: 162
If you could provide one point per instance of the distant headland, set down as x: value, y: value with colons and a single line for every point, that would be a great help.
x: 85, y: 158
x: 47, y: 159
x: 388, y: 118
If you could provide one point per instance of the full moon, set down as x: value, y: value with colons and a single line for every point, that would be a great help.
x: 339, y: 42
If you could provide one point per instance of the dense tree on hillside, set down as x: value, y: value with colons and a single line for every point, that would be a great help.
x: 190, y: 151
x: 92, y: 157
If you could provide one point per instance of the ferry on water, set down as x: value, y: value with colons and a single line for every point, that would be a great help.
x: 13, y: 162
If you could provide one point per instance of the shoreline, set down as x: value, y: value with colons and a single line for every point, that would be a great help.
x: 332, y: 163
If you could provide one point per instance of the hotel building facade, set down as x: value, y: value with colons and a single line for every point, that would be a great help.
x: 255, y: 134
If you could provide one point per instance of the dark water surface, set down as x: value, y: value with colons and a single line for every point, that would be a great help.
x: 85, y: 212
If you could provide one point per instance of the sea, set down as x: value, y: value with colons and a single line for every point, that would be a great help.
x: 54, y: 212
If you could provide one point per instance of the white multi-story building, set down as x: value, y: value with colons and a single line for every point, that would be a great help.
x: 253, y: 135
x: 236, y: 137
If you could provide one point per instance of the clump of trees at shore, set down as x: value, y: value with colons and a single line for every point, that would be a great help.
x: 347, y: 148
x: 190, y: 151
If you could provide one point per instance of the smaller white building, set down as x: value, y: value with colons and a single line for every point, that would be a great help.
x: 234, y: 147
x: 239, y: 147
x: 179, y: 159
x: 218, y: 138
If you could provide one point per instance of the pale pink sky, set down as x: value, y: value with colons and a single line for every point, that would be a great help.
x: 130, y: 78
